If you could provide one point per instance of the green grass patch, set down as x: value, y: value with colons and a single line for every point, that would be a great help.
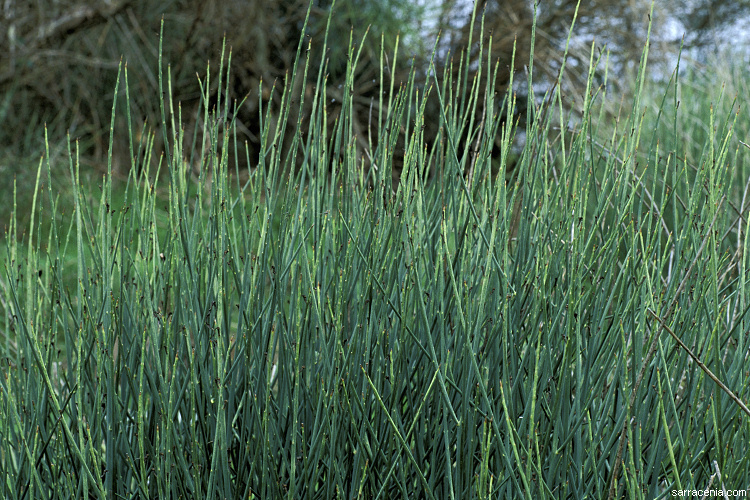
x: 317, y: 330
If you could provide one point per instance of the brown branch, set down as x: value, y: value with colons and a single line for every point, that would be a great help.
x: 76, y: 17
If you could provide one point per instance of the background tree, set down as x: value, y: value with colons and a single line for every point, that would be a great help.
x: 709, y: 21
x: 58, y: 59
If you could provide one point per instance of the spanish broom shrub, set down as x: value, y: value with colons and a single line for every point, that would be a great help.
x: 315, y: 329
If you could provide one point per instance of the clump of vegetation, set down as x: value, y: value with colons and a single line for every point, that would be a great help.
x: 318, y: 330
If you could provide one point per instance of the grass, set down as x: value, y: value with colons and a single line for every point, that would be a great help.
x: 320, y: 331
